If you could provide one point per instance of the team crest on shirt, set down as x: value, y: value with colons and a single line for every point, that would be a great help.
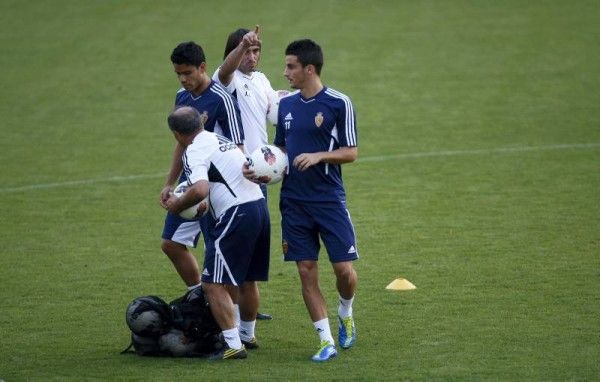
x: 319, y: 119
x: 204, y: 117
x: 284, y: 247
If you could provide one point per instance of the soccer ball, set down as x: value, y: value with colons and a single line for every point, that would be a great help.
x: 269, y: 164
x: 190, y: 212
x: 176, y: 344
x: 145, y: 345
x: 148, y: 316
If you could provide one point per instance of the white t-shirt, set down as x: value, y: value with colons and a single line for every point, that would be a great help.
x: 215, y: 158
x: 255, y: 98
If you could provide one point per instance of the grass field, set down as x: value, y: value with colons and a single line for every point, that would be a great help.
x: 478, y: 180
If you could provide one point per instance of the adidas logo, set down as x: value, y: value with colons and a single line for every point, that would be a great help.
x: 205, y: 272
x: 352, y: 249
x: 288, y: 117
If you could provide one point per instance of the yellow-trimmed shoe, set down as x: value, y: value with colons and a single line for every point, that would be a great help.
x: 251, y: 343
x: 326, y: 352
x: 229, y: 353
x: 347, y: 332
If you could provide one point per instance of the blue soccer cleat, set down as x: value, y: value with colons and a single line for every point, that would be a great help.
x: 347, y: 332
x: 326, y: 352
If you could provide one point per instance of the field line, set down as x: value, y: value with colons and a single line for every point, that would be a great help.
x: 378, y: 158
x: 381, y: 158
x: 81, y: 182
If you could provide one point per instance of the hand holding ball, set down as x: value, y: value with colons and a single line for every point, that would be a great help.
x: 269, y: 164
x: 195, y: 211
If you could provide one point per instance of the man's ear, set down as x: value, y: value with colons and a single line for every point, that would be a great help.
x: 177, y: 135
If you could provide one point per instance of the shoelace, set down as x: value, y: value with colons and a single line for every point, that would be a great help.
x: 324, y: 344
x: 347, y: 322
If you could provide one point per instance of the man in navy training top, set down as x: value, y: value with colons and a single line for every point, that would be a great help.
x: 316, y: 126
x: 220, y: 114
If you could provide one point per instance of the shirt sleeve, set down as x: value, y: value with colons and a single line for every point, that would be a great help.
x: 196, y: 166
x: 279, y: 129
x: 230, y: 120
x: 215, y: 76
x: 273, y: 102
x: 347, y: 119
x: 231, y: 87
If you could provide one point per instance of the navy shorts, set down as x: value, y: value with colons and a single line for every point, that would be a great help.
x: 239, y: 248
x: 302, y: 223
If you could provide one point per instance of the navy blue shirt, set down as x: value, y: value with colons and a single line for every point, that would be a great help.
x: 324, y: 122
x: 219, y: 110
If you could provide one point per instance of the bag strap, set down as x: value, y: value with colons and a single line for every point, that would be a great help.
x: 128, y: 349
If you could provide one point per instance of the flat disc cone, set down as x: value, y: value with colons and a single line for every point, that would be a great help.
x: 400, y: 284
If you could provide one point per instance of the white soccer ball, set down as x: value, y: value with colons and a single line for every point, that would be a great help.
x: 177, y: 344
x: 269, y: 164
x: 190, y: 212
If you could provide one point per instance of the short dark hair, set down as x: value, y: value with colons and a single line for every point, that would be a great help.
x: 234, y: 40
x: 308, y: 53
x: 188, y: 53
x: 184, y: 120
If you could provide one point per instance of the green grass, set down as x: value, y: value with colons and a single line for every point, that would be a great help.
x: 478, y: 180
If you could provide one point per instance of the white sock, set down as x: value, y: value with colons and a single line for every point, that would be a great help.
x: 194, y: 286
x: 236, y: 310
x: 247, y: 330
x: 345, y: 307
x: 322, y: 327
x: 232, y: 337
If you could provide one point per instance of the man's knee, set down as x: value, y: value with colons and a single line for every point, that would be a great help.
x: 211, y: 288
x: 307, y: 269
x: 344, y: 271
x: 216, y: 291
x: 249, y: 287
x: 170, y: 247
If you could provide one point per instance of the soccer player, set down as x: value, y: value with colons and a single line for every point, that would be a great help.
x: 219, y: 113
x: 238, y: 254
x: 317, y: 129
x: 256, y: 98
x: 239, y: 75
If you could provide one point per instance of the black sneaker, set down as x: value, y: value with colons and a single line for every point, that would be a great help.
x: 263, y: 316
x: 229, y: 353
x: 251, y: 343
